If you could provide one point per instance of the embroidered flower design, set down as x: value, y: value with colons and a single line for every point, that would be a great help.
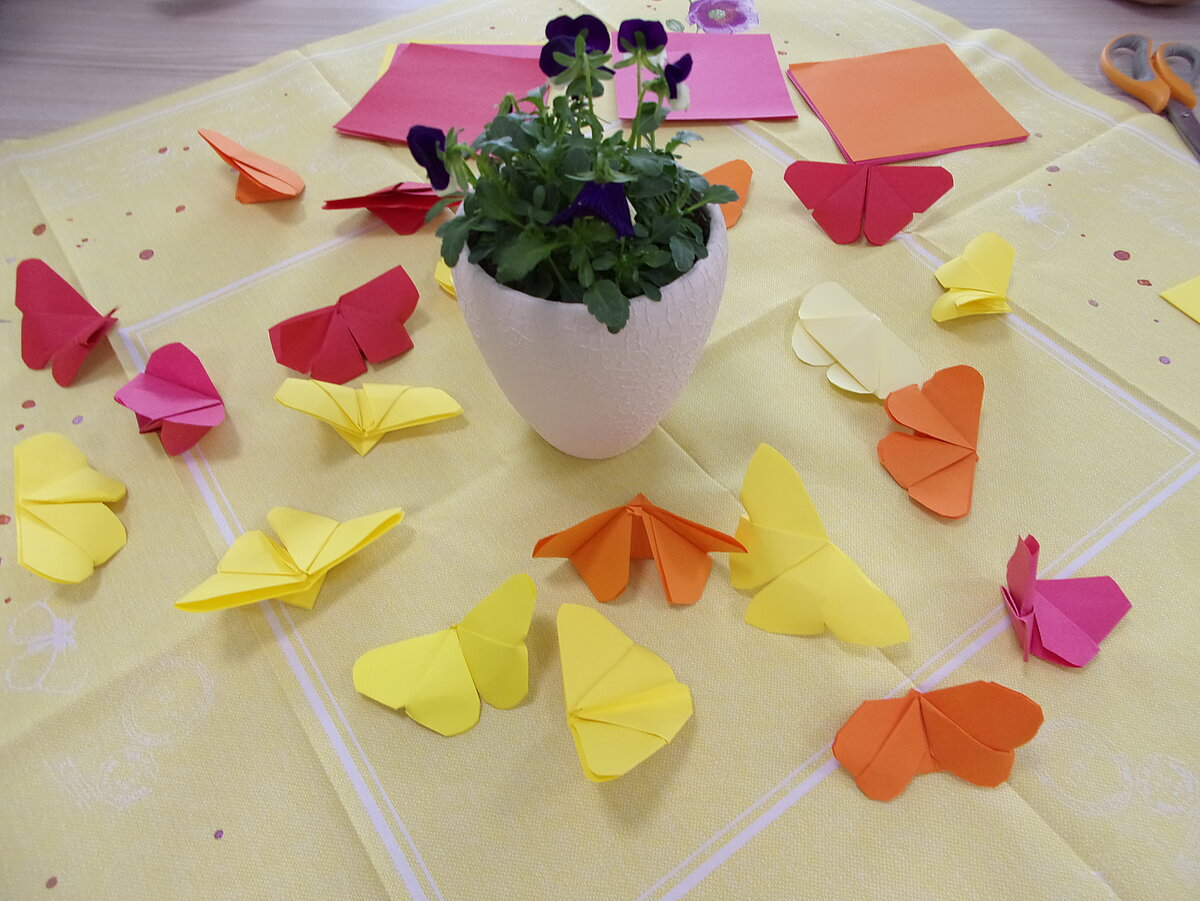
x: 728, y: 16
x: 48, y: 663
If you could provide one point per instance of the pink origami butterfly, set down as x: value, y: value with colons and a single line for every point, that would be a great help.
x: 330, y: 343
x: 1060, y: 620
x: 852, y: 199
x: 402, y: 207
x: 174, y: 397
x: 59, y: 327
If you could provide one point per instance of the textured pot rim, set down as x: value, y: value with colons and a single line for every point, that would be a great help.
x: 717, y: 230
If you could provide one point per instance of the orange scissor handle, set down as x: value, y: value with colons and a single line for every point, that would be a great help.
x: 1142, y: 80
x: 1181, y: 88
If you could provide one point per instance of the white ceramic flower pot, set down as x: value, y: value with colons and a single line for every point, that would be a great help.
x: 588, y: 392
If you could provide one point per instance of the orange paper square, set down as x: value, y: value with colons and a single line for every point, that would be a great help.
x: 903, y: 104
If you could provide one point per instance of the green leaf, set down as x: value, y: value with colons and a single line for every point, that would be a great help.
x: 683, y: 254
x: 577, y: 161
x: 646, y: 162
x: 516, y: 258
x: 442, y: 204
x: 685, y: 137
x: 606, y: 302
x: 674, y: 25
x: 570, y: 292
x: 454, y: 235
x: 656, y: 258
x: 664, y: 229
x: 717, y: 194
x: 651, y: 186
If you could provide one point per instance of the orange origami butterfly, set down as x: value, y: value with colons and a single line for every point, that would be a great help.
x: 936, y: 463
x: 259, y: 179
x: 601, y: 547
x: 735, y: 174
x: 969, y: 730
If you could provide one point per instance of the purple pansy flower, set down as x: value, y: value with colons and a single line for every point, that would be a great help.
x: 560, y: 44
x: 675, y: 73
x: 607, y: 202
x: 424, y: 143
x: 595, y: 34
x: 723, y: 15
x: 654, y: 36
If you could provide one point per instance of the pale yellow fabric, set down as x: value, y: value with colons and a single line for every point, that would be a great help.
x: 140, y: 731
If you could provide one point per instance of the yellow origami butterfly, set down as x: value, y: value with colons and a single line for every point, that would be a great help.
x: 977, y: 281
x: 438, y: 679
x: 809, y: 583
x: 444, y: 276
x: 64, y: 531
x: 365, y: 415
x: 863, y: 355
x: 255, y: 568
x: 623, y: 701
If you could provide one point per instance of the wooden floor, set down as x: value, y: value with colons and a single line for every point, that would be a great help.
x: 66, y: 61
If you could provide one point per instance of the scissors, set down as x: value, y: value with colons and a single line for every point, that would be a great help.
x: 1165, y: 80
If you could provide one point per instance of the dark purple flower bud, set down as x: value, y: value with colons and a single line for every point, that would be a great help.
x: 424, y: 143
x: 595, y: 34
x: 607, y: 202
x: 654, y: 36
x: 561, y: 44
x: 676, y: 72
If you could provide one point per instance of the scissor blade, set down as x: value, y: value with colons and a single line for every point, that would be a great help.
x: 1185, y: 122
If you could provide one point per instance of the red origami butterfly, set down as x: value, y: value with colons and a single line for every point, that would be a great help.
x: 402, y: 207
x: 58, y: 327
x: 330, y: 343
x: 852, y: 199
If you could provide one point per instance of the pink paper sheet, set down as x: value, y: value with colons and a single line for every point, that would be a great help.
x: 443, y: 86
x: 734, y: 76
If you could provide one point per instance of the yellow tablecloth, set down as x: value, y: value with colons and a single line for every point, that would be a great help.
x: 151, y: 754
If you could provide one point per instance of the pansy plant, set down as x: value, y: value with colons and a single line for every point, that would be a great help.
x: 559, y: 206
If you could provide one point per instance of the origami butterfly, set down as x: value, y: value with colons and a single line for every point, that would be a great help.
x: 438, y: 679
x: 623, y: 701
x: 735, y: 174
x: 852, y: 199
x: 1060, y: 620
x: 64, y: 531
x: 259, y: 179
x: 365, y: 415
x: 58, y: 326
x: 330, y: 343
x: 601, y: 547
x: 969, y: 730
x: 936, y: 464
x: 866, y: 356
x: 977, y: 281
x: 175, y: 397
x: 47, y: 664
x: 402, y: 207
x: 255, y: 568
x: 809, y: 582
